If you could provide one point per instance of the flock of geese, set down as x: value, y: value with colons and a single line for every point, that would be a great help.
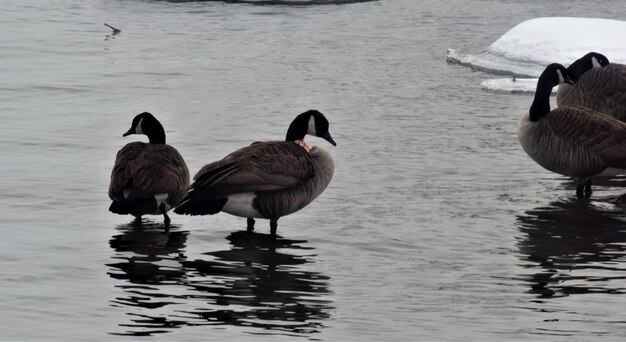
x: 585, y: 136
x: 268, y: 179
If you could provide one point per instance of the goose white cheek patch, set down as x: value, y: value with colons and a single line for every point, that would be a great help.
x: 561, y: 78
x: 595, y: 63
x: 311, y: 130
x: 138, y: 128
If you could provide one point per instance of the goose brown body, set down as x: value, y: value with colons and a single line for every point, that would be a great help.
x: 144, y: 170
x: 597, y: 84
x: 600, y: 89
x: 283, y: 175
x: 147, y: 178
x: 572, y: 141
x: 267, y: 179
x: 575, y: 142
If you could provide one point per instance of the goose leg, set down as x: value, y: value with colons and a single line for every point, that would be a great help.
x: 250, y: 227
x: 588, y: 188
x: 583, y: 189
x: 137, y: 222
x: 273, y: 227
x: 579, y: 190
x: 166, y: 219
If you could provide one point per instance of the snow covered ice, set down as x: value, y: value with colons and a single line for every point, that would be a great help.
x: 523, y: 52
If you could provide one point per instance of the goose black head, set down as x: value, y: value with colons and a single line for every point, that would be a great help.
x: 553, y: 75
x: 146, y: 123
x: 586, y: 62
x: 311, y: 122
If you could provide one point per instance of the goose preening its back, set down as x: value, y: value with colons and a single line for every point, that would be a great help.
x: 598, y: 85
x: 267, y: 179
x: 572, y: 141
x: 147, y: 178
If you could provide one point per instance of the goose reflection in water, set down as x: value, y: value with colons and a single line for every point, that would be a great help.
x: 255, y: 284
x: 148, y: 259
x: 574, y: 246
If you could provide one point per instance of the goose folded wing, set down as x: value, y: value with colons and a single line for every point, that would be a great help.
x: 262, y: 166
x: 143, y: 171
x: 603, y: 135
x: 610, y: 83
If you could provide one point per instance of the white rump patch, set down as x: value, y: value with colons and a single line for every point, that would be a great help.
x: 241, y: 205
x: 160, y: 199
x: 311, y: 130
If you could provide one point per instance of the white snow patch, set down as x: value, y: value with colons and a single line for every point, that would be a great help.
x: 525, y: 50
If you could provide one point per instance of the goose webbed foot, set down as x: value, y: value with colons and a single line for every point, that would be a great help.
x: 250, y: 226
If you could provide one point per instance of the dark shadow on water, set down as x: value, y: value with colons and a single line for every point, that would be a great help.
x: 259, y: 284
x: 574, y: 247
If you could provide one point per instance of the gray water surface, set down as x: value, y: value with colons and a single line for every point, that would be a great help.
x: 436, y: 226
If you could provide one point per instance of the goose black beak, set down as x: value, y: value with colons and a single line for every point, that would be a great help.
x: 328, y: 138
x: 130, y: 131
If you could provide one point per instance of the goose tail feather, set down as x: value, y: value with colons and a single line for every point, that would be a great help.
x: 118, y: 208
x: 197, y: 205
x: 136, y: 207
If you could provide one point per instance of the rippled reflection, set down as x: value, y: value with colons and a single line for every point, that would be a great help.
x: 254, y: 285
x: 148, y: 258
x: 574, y: 246
x: 258, y: 284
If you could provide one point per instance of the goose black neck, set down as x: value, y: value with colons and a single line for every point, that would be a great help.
x: 298, y: 128
x: 576, y: 69
x: 156, y: 134
x: 541, y: 103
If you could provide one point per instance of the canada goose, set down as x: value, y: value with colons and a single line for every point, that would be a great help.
x: 266, y: 179
x: 572, y: 141
x: 147, y: 178
x: 598, y: 85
